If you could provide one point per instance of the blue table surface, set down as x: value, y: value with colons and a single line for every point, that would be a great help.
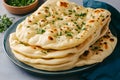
x: 9, y: 71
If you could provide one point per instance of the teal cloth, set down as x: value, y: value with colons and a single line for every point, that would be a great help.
x: 109, y: 69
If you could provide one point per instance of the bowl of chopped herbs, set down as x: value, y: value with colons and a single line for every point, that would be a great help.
x: 20, y: 6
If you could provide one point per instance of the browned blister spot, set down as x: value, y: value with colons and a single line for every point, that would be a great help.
x: 101, y: 23
x: 78, y: 8
x: 102, y: 10
x: 97, y: 11
x: 106, y: 36
x: 50, y: 38
x: 51, y: 31
x: 100, y: 43
x: 29, y: 21
x: 69, y: 16
x: 103, y: 19
x: 106, y: 45
x: 109, y: 32
x: 91, y: 46
x: 63, y: 4
x: 55, y: 29
x: 53, y: 16
x: 28, y: 32
x: 34, y: 47
x: 96, y: 53
x: 39, y: 13
x: 81, y: 35
x: 86, y: 53
x: 101, y: 50
x: 42, y: 20
x: 61, y: 29
x: 107, y: 16
x: 46, y: 11
x: 91, y: 21
x: 111, y: 39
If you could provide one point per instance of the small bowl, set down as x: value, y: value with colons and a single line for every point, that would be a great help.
x: 21, y: 10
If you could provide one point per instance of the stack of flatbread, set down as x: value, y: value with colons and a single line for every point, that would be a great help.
x: 62, y: 35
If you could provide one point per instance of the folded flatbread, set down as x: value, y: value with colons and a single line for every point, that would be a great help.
x: 62, y: 35
x: 96, y: 52
x: 60, y: 24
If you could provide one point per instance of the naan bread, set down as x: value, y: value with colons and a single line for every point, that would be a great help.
x: 98, y: 51
x: 37, y: 52
x: 61, y: 35
x: 94, y: 54
x: 60, y: 24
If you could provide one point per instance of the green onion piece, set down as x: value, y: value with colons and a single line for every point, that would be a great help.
x: 40, y: 31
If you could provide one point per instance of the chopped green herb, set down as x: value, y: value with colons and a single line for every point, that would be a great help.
x: 78, y: 27
x: 28, y: 26
x: 66, y: 23
x: 75, y: 22
x: 53, y: 22
x: 81, y: 15
x: 60, y: 18
x: 56, y: 13
x: 46, y: 16
x: 70, y: 13
x: 40, y: 31
x: 92, y: 16
x: 59, y: 34
x: 19, y: 3
x: 77, y: 38
x: 35, y: 23
x: 84, y: 28
x: 82, y: 24
x: 45, y: 52
x: 74, y: 11
x: 68, y: 33
x: 95, y: 47
x: 46, y: 7
x: 70, y: 10
x: 101, y: 15
x: 5, y: 22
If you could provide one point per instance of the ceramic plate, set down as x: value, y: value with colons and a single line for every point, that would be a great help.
x: 26, y: 67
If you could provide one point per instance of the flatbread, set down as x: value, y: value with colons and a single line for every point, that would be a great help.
x: 94, y: 54
x: 98, y: 51
x: 60, y: 25
x: 37, y: 52
x: 62, y: 35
